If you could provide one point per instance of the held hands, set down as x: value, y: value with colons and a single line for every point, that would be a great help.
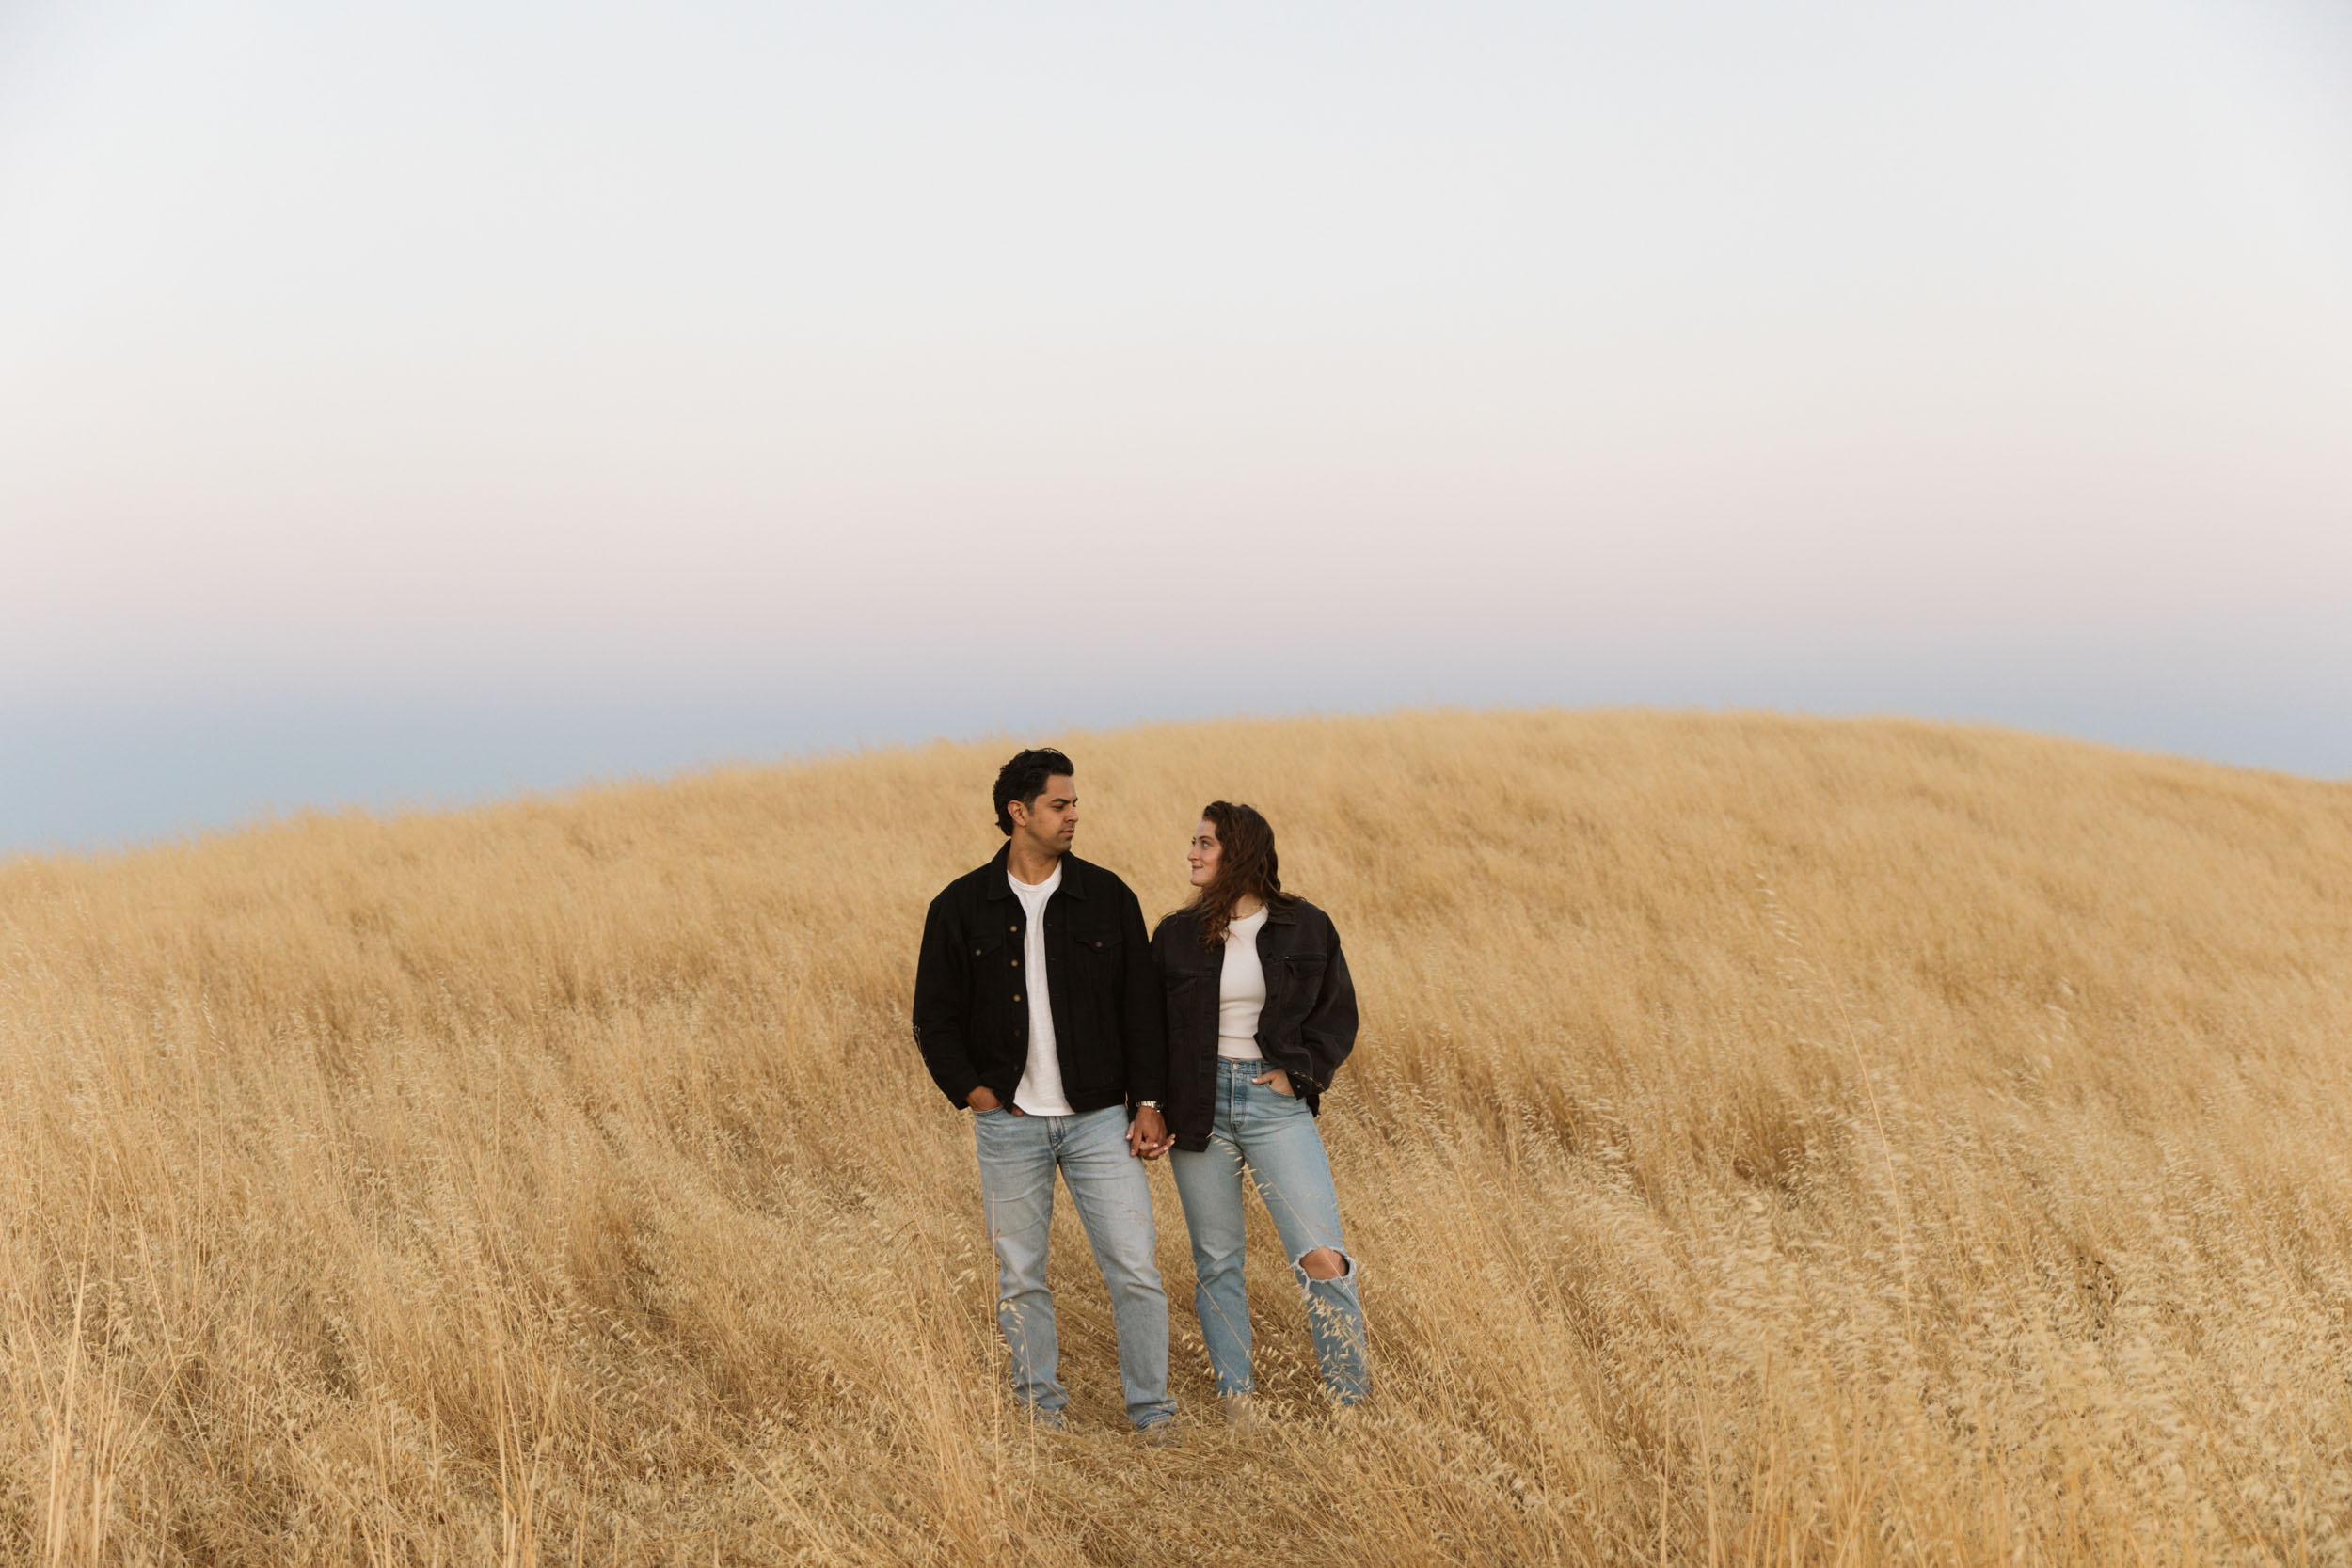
x: 1148, y: 1136
x: 1281, y: 1079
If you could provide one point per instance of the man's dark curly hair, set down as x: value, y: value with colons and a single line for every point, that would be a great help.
x: 1023, y: 778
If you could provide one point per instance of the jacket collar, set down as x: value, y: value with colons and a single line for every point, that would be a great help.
x: 998, y: 881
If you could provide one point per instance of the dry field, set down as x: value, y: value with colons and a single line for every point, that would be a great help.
x: 1771, y: 1141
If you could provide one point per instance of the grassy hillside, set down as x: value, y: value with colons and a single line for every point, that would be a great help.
x: 1769, y: 1140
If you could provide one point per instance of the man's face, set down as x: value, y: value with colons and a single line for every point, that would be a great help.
x: 1050, y: 822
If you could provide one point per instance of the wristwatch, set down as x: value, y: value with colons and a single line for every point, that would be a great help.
x: 1147, y: 1104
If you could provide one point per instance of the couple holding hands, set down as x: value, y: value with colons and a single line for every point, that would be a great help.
x: 1085, y: 1047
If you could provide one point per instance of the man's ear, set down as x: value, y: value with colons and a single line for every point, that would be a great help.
x: 1019, y: 812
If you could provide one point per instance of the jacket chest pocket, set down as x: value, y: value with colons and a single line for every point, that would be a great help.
x: 992, y: 950
x: 1102, y: 948
x: 1302, y: 975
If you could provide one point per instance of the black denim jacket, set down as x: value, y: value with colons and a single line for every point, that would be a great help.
x: 970, y: 992
x: 1307, y: 1027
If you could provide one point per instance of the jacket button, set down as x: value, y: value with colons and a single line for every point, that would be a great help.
x: 1014, y: 929
x: 1016, y: 998
x: 1016, y: 964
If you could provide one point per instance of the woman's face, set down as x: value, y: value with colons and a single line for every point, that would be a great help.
x: 1205, y: 853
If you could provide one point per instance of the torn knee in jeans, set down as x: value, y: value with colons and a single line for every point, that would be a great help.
x: 1326, y: 1263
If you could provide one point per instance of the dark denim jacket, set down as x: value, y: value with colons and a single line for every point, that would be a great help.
x: 971, y: 1006
x: 1306, y: 1028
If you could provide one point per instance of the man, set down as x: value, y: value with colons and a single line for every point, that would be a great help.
x: 1037, y: 1005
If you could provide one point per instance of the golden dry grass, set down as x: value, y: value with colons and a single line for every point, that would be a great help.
x: 1769, y: 1141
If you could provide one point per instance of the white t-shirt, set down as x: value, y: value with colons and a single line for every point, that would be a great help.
x: 1040, y: 1092
x: 1241, y: 990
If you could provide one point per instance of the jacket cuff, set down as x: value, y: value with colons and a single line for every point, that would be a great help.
x: 1302, y: 1077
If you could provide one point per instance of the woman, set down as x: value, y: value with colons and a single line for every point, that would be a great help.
x: 1260, y: 1015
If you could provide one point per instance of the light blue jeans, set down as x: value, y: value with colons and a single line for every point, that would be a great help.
x: 1273, y: 1137
x: 1018, y: 1157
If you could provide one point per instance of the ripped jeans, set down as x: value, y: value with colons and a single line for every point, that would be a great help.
x: 1273, y: 1137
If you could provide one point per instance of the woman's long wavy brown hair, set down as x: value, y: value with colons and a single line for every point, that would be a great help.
x: 1245, y: 868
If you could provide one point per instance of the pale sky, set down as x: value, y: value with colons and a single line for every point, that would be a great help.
x: 413, y: 402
